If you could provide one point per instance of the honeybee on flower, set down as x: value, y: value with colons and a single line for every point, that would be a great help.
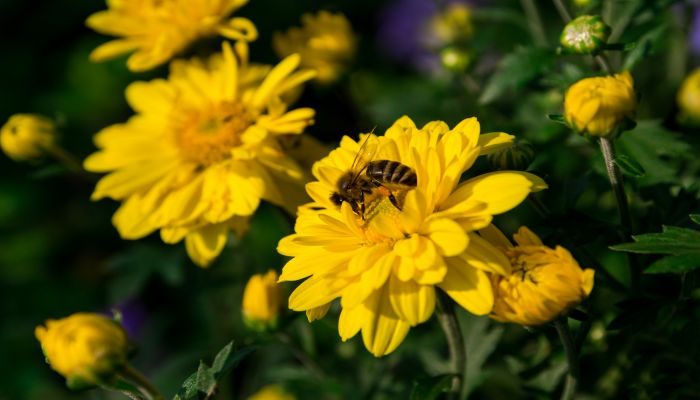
x: 367, y: 176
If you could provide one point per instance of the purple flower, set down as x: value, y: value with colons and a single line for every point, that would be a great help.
x: 694, y: 39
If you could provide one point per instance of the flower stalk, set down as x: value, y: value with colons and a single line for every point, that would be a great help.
x: 146, y: 389
x: 455, y: 341
x: 567, y: 341
x: 616, y: 182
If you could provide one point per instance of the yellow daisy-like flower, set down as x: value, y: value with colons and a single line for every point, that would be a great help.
x: 202, y: 151
x: 543, y: 282
x: 325, y: 42
x: 86, y: 348
x: 385, y: 265
x: 157, y: 30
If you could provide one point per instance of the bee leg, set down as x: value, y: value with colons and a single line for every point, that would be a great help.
x: 362, y: 205
x: 393, y: 201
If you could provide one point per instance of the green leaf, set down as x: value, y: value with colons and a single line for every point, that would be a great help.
x: 431, y: 388
x: 516, y: 70
x: 645, y: 46
x: 675, y: 264
x: 695, y: 218
x: 673, y: 240
x: 629, y: 166
x: 557, y: 118
x: 657, y: 150
x: 204, y: 383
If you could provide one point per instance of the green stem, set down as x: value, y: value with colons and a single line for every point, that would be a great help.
x: 68, y: 160
x: 147, y: 389
x: 455, y: 342
x: 567, y: 341
x: 618, y: 187
x: 534, y: 22
x: 563, y: 12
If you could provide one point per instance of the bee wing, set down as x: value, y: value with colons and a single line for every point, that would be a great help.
x: 365, y: 154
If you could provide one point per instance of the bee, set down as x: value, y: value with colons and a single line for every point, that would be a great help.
x: 367, y: 175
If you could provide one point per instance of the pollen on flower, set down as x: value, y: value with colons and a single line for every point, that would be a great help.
x: 206, y: 137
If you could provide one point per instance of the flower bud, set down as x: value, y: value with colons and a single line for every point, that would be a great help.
x: 325, y: 41
x: 601, y: 106
x: 87, y: 349
x: 688, y: 98
x: 451, y: 25
x: 518, y: 157
x: 271, y: 392
x: 27, y: 136
x: 454, y: 59
x: 586, y: 34
x: 261, y: 302
x: 543, y: 283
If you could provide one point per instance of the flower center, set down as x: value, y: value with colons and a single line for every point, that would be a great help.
x: 379, y: 206
x: 206, y: 137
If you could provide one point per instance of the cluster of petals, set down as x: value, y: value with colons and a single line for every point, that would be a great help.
x: 325, y: 42
x: 386, y: 267
x: 157, y: 30
x: 203, y: 149
x: 85, y: 348
x: 543, y: 284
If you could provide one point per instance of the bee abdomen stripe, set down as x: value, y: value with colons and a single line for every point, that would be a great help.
x: 409, y: 178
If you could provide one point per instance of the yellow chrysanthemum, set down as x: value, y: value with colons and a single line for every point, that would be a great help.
x: 87, y: 349
x: 325, y: 42
x: 601, y: 106
x: 202, y: 151
x: 385, y: 267
x: 26, y: 137
x: 261, y: 301
x: 543, y: 282
x: 157, y: 30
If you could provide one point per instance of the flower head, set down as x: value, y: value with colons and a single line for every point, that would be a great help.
x: 543, y: 282
x: 451, y: 25
x: 386, y: 263
x: 271, y: 392
x: 519, y: 156
x: 688, y: 98
x: 202, y: 151
x: 87, y: 349
x: 157, y: 30
x: 27, y: 136
x: 586, y: 34
x: 325, y: 42
x: 601, y: 106
x: 261, y: 301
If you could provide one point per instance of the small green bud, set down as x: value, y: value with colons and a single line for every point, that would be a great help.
x: 517, y: 157
x: 454, y: 59
x: 586, y: 34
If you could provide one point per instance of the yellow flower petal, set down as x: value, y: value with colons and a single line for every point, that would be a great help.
x: 382, y: 331
x: 205, y: 244
x: 412, y: 302
x: 494, y: 141
x: 500, y: 191
x: 469, y: 287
